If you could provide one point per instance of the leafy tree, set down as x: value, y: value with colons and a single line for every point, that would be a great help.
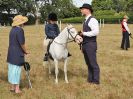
x: 63, y: 8
x: 22, y: 6
x: 129, y: 5
x: 117, y: 5
x: 102, y: 4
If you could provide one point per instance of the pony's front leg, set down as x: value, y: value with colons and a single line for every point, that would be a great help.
x: 49, y: 67
x: 56, y: 71
x: 65, y: 70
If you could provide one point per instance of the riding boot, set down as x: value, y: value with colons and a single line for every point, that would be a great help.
x: 45, y: 57
x: 47, y: 53
x: 69, y: 54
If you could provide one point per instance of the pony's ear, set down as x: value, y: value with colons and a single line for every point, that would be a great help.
x: 67, y: 25
x: 70, y: 25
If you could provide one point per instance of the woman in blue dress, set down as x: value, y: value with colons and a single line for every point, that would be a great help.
x: 16, y: 52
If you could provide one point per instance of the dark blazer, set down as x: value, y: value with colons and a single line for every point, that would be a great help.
x: 51, y: 30
x: 15, y: 53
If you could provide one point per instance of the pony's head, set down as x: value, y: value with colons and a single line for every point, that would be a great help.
x: 73, y: 34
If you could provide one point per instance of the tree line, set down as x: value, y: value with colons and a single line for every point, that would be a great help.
x: 117, y: 5
x: 63, y: 8
x: 113, y: 10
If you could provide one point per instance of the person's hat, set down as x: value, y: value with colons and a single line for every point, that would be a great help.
x: 126, y: 17
x: 19, y: 19
x: 52, y: 16
x: 87, y: 6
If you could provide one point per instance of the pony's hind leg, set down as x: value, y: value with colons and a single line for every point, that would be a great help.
x: 56, y: 71
x: 65, y: 70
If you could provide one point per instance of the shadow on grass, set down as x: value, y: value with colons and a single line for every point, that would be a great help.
x: 71, y: 74
x: 3, y: 77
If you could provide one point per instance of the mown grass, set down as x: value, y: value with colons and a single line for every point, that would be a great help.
x: 115, y: 64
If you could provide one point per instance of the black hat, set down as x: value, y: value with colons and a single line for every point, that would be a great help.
x: 52, y: 16
x: 87, y: 6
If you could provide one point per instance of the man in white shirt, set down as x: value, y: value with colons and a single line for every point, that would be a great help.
x: 89, y: 45
x: 125, y: 44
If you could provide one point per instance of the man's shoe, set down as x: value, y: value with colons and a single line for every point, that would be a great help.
x: 97, y: 83
x: 93, y: 82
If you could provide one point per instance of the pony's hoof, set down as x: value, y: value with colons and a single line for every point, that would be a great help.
x: 56, y: 81
x: 44, y: 63
x: 50, y: 73
x: 67, y: 81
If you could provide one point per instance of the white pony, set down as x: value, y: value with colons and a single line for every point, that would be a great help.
x: 58, y: 48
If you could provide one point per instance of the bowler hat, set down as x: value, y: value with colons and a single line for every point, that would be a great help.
x: 87, y: 6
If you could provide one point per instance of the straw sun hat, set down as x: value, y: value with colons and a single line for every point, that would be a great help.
x: 126, y: 17
x: 19, y: 19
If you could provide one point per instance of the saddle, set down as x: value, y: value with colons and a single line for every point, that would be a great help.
x: 48, y: 55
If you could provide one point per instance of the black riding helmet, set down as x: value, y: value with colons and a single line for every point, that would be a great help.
x: 52, y: 16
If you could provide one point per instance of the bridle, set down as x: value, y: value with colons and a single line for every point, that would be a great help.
x: 69, y: 33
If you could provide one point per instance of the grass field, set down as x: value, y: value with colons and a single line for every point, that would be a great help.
x: 116, y: 68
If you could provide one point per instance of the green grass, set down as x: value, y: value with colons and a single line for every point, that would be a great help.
x: 115, y: 64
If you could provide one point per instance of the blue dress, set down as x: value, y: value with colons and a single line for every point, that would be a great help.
x: 15, y: 54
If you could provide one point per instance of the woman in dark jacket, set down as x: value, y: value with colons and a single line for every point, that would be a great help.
x: 16, y: 52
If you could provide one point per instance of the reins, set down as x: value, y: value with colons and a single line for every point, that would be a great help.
x: 69, y: 33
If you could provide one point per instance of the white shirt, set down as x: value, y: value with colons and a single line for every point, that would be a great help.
x: 126, y: 26
x: 93, y: 24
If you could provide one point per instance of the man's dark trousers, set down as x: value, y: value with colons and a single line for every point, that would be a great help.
x: 89, y: 51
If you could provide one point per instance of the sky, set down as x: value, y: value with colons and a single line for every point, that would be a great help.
x: 79, y: 3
